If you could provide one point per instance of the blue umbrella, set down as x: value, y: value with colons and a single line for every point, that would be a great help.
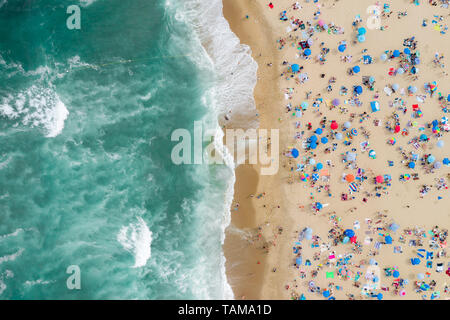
x: 342, y: 48
x: 319, y: 131
x: 298, y: 261
x: 295, y: 153
x: 356, y: 69
x: 339, y: 136
x: 324, y: 140
x: 295, y: 68
x: 349, y: 233
x: 362, y: 31
x: 437, y: 165
x: 448, y: 98
x: 411, y: 165
x: 388, y: 239
x: 435, y: 123
x: 420, y: 276
x: 446, y: 161
x: 319, y: 166
x: 380, y: 296
x: 431, y: 159
x: 361, y: 38
x: 396, y: 53
x: 326, y: 294
x: 395, y: 86
x: 307, y: 52
x: 407, y: 51
x: 313, y: 139
x: 358, y: 89
x: 423, y: 137
x: 394, y: 227
x: 315, y: 176
x: 396, y: 274
x: 415, y: 261
x: 313, y: 145
x: 319, y: 206
x: 354, y: 132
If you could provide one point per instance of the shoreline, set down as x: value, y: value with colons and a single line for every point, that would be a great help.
x: 247, y: 265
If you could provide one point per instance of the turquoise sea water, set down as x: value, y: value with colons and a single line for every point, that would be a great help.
x: 85, y: 172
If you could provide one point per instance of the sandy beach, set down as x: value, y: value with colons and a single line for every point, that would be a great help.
x: 345, y: 217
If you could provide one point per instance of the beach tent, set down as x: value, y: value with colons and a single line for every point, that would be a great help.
x: 388, y: 239
x: 295, y: 68
x: 375, y: 106
x: 356, y: 69
x: 295, y: 153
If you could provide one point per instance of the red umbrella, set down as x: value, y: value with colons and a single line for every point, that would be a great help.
x: 397, y: 129
x: 353, y: 239
x: 334, y: 125
x: 379, y: 179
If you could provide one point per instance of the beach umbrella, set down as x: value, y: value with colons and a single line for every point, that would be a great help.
x: 295, y: 68
x: 312, y: 161
x: 372, y: 154
x: 412, y: 89
x: 411, y: 165
x: 448, y: 98
x: 420, y: 276
x: 356, y: 69
x: 326, y: 293
x: 415, y: 261
x: 400, y: 71
x: 379, y: 179
x: 380, y: 296
x: 349, y: 233
x: 388, y: 239
x: 345, y: 240
x: 371, y: 79
x: 310, y: 41
x: 437, y: 165
x: 394, y: 227
x: 307, y: 52
x: 351, y: 157
x: 336, y: 102
x: 304, y: 105
x: 334, y: 125
x: 362, y: 31
x: 440, y: 143
x: 313, y: 145
x: 407, y: 51
x: 324, y: 140
x: 339, y: 136
x: 347, y: 125
x: 319, y: 206
x: 350, y: 178
x: 396, y: 53
x: 431, y: 159
x: 361, y: 38
x: 395, y: 86
x: 423, y: 137
x: 342, y: 47
x: 354, y: 132
x: 294, y: 153
x: 397, y: 129
x: 383, y: 57
x: 313, y: 139
x: 298, y: 261
x: 358, y: 90
x: 319, y: 131
x: 319, y: 166
x: 434, y: 123
x: 375, y: 279
x: 446, y: 161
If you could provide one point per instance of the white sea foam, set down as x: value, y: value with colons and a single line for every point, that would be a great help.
x: 11, y: 257
x: 12, y: 234
x: 32, y: 283
x: 136, y: 238
x: 38, y: 106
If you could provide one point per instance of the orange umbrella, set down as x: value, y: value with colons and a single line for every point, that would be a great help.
x: 324, y: 172
x: 350, y: 178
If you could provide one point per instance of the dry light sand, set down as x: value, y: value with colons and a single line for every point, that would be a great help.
x: 272, y: 210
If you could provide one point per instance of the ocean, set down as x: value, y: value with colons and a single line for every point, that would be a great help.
x: 86, y: 177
